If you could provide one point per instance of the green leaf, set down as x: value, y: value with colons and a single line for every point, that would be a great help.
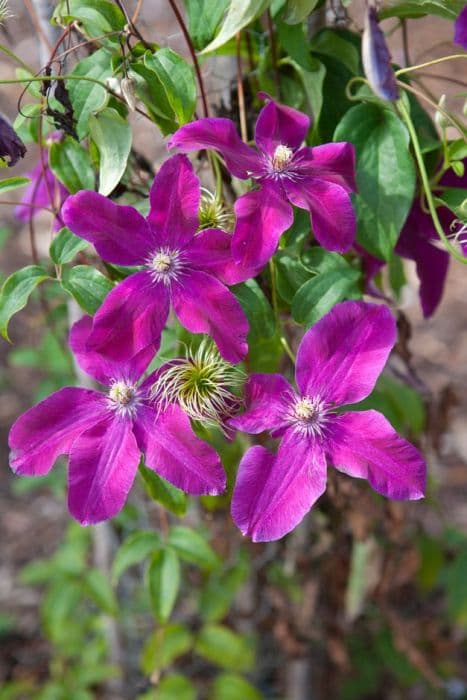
x: 225, y: 648
x: 164, y: 646
x: 220, y: 589
x: 317, y: 296
x: 298, y: 10
x: 291, y: 273
x: 134, y: 550
x: 163, y: 578
x: 98, y: 588
x: 312, y: 82
x: 385, y: 175
x: 88, y: 97
x: 16, y: 291
x: 27, y: 123
x: 150, y: 90
x: 112, y: 136
x: 229, y: 686
x: 448, y: 9
x: 340, y: 68
x: 95, y: 18
x: 239, y: 15
x: 175, y: 687
x: 71, y: 164
x: 402, y: 405
x: 163, y: 492
x: 455, y: 198
x: 87, y: 286
x: 12, y: 183
x: 332, y: 43
x: 204, y: 17
x: 178, y: 80
x: 65, y: 246
x: 59, y: 605
x: 257, y: 308
x: 192, y: 547
x: 362, y: 576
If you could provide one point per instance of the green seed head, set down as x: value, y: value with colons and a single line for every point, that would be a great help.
x: 203, y: 385
x: 214, y: 214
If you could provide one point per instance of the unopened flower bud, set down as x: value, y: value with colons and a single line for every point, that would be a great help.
x: 377, y: 59
x: 440, y: 117
x: 114, y: 85
x: 128, y: 92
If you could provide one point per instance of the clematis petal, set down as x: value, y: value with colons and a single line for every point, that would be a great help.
x: 222, y: 135
x: 342, y: 355
x: 119, y: 233
x: 11, y: 146
x: 132, y: 317
x: 279, y: 125
x: 365, y: 445
x: 333, y: 162
x: 418, y: 242
x: 174, y: 199
x: 332, y: 215
x: 211, y: 252
x: 42, y: 192
x: 49, y: 429
x: 267, y: 397
x: 262, y: 216
x: 172, y: 449
x: 460, y: 28
x: 103, y: 464
x: 205, y: 305
x: 274, y: 492
x: 102, y: 368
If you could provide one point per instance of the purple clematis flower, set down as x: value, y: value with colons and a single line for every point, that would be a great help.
x: 11, y: 146
x: 460, y: 28
x: 318, y: 179
x: 180, y: 268
x: 338, y: 363
x: 419, y: 241
x: 44, y: 190
x: 105, y: 434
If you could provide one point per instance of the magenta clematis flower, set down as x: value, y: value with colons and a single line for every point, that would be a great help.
x: 180, y: 268
x: 338, y: 363
x: 105, y: 434
x: 44, y: 190
x: 419, y: 241
x: 460, y: 28
x: 318, y: 179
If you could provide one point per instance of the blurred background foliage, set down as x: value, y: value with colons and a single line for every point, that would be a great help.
x: 367, y: 598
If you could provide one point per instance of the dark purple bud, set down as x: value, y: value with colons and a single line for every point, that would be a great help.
x: 460, y: 28
x: 377, y: 59
x: 11, y: 146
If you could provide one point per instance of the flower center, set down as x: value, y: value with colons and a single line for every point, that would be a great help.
x: 123, y: 398
x: 282, y: 157
x: 308, y: 415
x: 164, y: 265
x: 202, y: 384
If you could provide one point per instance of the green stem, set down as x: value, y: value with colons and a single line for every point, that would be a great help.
x: 426, y: 183
x: 288, y: 349
x: 16, y: 58
x: 401, y: 71
x: 275, y: 306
